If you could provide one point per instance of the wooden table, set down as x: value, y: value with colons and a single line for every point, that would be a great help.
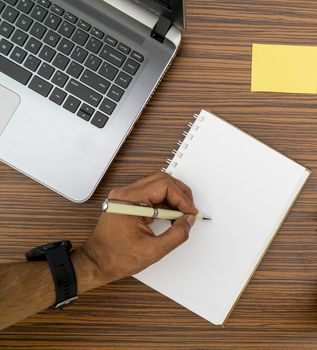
x: 278, y: 310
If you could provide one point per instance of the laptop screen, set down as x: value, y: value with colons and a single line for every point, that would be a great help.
x: 173, y: 9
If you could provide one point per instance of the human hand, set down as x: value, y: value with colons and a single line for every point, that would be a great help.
x: 123, y: 245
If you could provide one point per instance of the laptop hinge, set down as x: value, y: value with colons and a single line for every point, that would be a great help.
x: 161, y: 28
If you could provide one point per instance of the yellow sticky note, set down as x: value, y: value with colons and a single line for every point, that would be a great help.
x: 284, y: 68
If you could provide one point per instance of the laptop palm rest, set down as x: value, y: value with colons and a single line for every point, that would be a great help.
x: 9, y: 102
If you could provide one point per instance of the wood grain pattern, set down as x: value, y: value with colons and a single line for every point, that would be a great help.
x: 278, y: 310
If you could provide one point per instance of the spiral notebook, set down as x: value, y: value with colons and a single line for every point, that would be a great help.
x: 247, y: 188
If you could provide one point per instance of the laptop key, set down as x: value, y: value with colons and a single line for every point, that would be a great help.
x: 80, y: 37
x: 58, y: 10
x: 84, y: 25
x: 97, y: 33
x: 46, y: 71
x: 113, y: 56
x: 6, y: 29
x: 66, y: 29
x: 25, y: 6
x: 60, y: 79
x: 124, y: 48
x: 39, y: 13
x: 82, y: 92
x: 131, y: 66
x: 83, y: 115
x: 65, y: 46
x: 93, y: 62
x: 107, y: 106
x: 99, y: 120
x: 24, y: 22
x: 115, y: 93
x: 32, y: 63
x: 10, y: 14
x: 58, y: 96
x: 5, y: 47
x: 137, y: 56
x: 74, y: 69
x: 38, y: 30
x: 94, y: 45
x: 51, y: 38
x: 40, y: 86
x: 18, y: 55
x: 87, y: 109
x: 123, y: 80
x: 71, y: 104
x: 79, y: 54
x: 52, y: 21
x: 33, y: 46
x: 61, y: 61
x: 70, y: 17
x: 14, y: 71
x: 47, y: 53
x: 110, y: 40
x: 2, y: 5
x: 11, y: 2
x: 95, y: 81
x: 108, y: 71
x: 19, y: 37
x: 45, y: 3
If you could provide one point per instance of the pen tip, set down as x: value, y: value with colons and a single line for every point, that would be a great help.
x: 205, y: 218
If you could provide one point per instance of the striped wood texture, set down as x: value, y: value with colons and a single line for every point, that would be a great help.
x: 279, y: 307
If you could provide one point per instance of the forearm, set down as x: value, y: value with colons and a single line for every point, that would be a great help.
x: 27, y: 288
x: 120, y: 246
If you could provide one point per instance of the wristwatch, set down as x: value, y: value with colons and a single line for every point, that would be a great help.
x: 57, y: 256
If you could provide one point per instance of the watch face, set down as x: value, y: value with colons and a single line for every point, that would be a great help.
x: 38, y: 253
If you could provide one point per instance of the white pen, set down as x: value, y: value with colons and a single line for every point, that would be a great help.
x: 140, y: 209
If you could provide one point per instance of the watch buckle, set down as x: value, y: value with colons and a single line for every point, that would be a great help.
x: 65, y: 303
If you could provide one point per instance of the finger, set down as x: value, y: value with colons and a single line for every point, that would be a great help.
x: 135, y: 191
x: 161, y: 175
x: 174, y: 236
x: 157, y: 189
x: 165, y: 190
x: 186, y: 189
x: 175, y: 197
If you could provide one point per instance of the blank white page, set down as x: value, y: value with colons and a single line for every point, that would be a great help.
x: 247, y: 188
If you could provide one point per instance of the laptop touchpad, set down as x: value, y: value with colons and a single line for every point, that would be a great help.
x: 9, y: 102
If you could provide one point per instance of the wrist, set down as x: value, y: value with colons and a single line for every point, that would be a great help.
x: 87, y: 272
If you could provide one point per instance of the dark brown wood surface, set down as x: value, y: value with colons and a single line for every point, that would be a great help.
x: 278, y: 310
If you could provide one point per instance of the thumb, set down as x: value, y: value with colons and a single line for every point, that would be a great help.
x: 175, y: 235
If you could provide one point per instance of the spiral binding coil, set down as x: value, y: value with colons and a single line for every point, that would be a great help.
x: 183, y: 144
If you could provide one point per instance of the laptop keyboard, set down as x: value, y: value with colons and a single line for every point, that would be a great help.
x: 65, y: 59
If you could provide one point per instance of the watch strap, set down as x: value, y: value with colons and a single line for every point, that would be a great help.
x: 64, y: 276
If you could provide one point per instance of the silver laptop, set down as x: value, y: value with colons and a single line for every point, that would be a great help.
x: 75, y: 76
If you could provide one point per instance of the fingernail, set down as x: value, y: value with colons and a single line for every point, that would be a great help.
x: 191, y: 219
